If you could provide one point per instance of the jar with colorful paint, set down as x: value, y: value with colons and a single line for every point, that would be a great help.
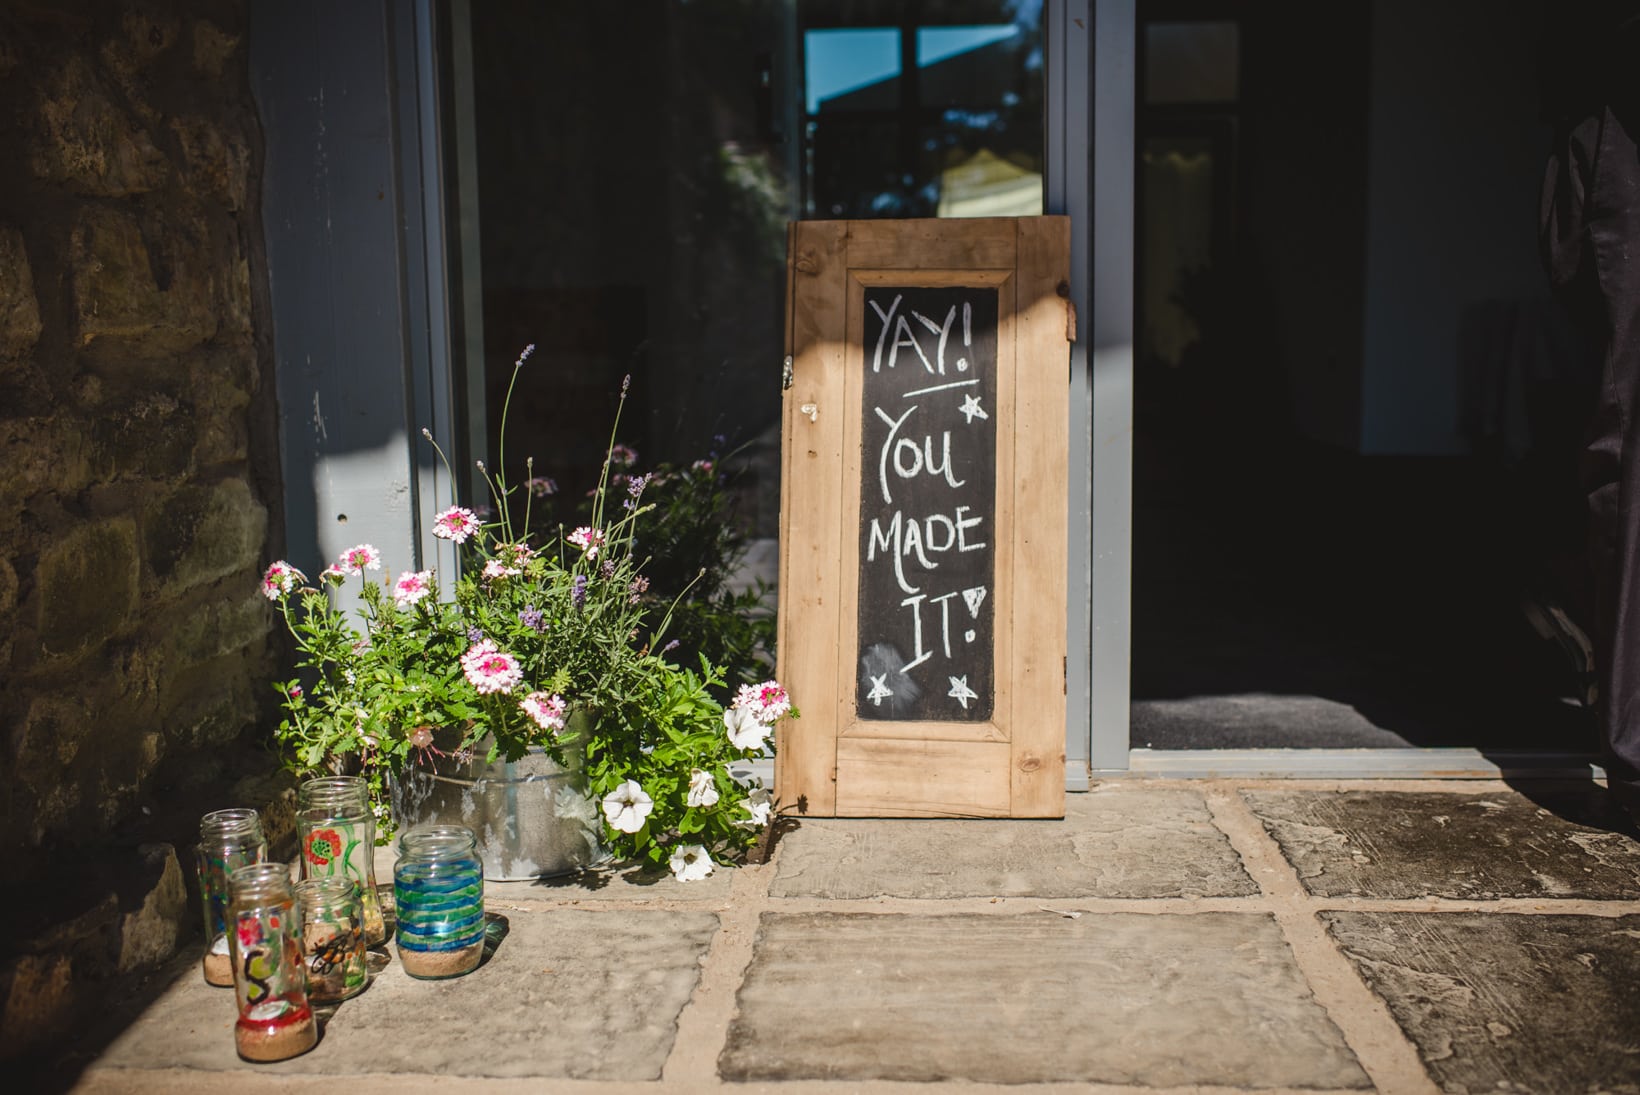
x: 332, y: 938
x: 228, y: 840
x: 338, y: 835
x: 438, y: 890
x: 275, y: 1019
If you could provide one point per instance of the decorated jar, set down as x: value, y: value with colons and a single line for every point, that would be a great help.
x: 438, y: 890
x: 338, y: 835
x: 332, y: 938
x: 228, y: 840
x: 275, y: 1018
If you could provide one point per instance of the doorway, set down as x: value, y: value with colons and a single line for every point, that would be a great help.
x: 1356, y: 409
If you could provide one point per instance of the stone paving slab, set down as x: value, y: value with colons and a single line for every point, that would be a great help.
x: 1507, y: 1002
x: 1407, y: 844
x: 1117, y: 841
x: 1161, y: 1000
x: 566, y: 993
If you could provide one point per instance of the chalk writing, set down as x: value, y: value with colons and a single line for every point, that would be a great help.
x: 927, y: 504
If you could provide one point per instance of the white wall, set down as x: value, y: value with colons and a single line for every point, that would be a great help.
x: 1455, y: 158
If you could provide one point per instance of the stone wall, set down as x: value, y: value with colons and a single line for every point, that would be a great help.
x: 138, y: 462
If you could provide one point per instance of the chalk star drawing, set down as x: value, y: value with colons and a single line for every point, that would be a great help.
x: 971, y: 409
x: 961, y: 692
x: 974, y: 598
x: 879, y: 691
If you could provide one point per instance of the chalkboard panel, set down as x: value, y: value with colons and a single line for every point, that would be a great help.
x: 928, y: 505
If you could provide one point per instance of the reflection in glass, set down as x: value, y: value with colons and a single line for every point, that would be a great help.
x: 954, y: 130
x: 635, y: 168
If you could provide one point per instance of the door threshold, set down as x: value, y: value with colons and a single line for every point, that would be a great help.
x: 1351, y: 764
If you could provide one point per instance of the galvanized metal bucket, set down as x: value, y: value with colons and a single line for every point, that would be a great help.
x: 533, y: 817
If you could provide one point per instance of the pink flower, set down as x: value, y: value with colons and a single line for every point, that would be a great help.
x: 622, y: 456
x: 411, y: 587
x: 421, y: 737
x: 333, y: 574
x: 489, y: 669
x: 456, y: 523
x: 541, y: 486
x: 588, y: 539
x: 704, y: 467
x: 768, y: 702
x: 547, y: 711
x: 495, y: 569
x: 358, y: 559
x: 280, y: 579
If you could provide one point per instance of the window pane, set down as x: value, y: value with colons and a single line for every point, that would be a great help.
x: 851, y: 68
x: 1192, y: 62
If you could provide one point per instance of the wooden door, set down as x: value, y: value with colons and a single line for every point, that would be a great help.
x: 923, y: 530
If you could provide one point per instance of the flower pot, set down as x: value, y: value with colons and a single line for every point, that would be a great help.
x: 533, y: 817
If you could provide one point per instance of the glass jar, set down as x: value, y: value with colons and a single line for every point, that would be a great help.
x: 332, y: 938
x: 275, y: 1019
x: 438, y: 890
x: 338, y: 834
x: 228, y: 840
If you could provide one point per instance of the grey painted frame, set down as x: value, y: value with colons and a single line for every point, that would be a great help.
x: 353, y: 217
x: 1090, y: 173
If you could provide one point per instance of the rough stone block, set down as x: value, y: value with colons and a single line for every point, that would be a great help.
x: 218, y: 628
x: 8, y: 586
x: 1156, y: 1000
x: 204, y: 706
x: 117, y: 297
x: 1406, y: 844
x: 213, y: 48
x: 39, y: 995
x: 151, y: 436
x: 215, y: 160
x: 82, y: 139
x: 1507, y: 1002
x: 88, y: 584
x: 51, y: 733
x: 40, y: 453
x: 1116, y: 842
x: 273, y: 796
x: 149, y: 933
x: 200, y: 534
x: 19, y: 310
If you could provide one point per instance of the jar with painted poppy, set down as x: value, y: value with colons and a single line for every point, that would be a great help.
x: 275, y: 1019
x: 332, y: 938
x: 338, y: 834
x: 228, y: 840
x: 438, y: 890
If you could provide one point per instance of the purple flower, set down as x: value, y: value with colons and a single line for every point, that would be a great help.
x: 636, y: 484
x: 474, y: 634
x: 608, y: 568
x: 578, y: 592
x: 669, y: 647
x: 532, y: 618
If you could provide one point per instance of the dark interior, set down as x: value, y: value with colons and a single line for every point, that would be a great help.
x: 1356, y: 517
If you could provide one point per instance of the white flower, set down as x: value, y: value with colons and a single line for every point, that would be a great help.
x: 690, y: 863
x: 627, y: 806
x: 702, y: 791
x: 745, y: 731
x: 759, y: 806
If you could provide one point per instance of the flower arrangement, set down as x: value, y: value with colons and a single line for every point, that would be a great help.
x: 529, y: 636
